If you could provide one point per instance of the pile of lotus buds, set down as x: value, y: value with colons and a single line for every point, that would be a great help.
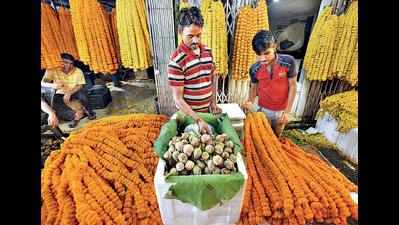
x: 193, y: 154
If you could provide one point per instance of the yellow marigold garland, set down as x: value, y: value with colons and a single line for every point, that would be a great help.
x: 93, y: 39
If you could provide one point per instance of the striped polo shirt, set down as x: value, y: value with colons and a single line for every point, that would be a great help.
x: 195, y: 73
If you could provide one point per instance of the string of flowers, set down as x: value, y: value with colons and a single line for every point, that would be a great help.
x: 93, y: 39
x: 96, y: 179
x: 299, y: 188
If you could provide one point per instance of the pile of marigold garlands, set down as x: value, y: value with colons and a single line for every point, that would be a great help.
x: 287, y: 186
x: 103, y: 174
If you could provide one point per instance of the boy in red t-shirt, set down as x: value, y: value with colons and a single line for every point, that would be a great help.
x: 273, y: 79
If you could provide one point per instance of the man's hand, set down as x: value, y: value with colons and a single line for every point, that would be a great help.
x: 215, y: 108
x: 247, y: 106
x: 52, y: 120
x: 283, y: 118
x: 67, y: 98
x: 203, y: 127
x: 59, y: 86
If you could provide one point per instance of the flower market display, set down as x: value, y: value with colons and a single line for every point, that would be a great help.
x: 67, y: 31
x: 332, y: 51
x: 51, y: 42
x: 215, y: 33
x: 93, y: 36
x: 103, y: 174
x: 289, y: 186
x: 133, y: 34
x: 343, y: 107
x: 249, y: 21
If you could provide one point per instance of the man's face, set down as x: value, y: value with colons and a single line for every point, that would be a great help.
x: 191, y: 36
x: 269, y: 55
x: 67, y: 65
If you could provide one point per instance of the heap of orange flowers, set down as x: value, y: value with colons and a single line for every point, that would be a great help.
x: 287, y: 186
x: 103, y: 174
x: 67, y: 32
x: 93, y: 36
x: 52, y: 43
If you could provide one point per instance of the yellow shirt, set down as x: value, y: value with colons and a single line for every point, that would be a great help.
x: 69, y: 81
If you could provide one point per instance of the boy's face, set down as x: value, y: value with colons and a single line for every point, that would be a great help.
x: 191, y: 36
x: 268, y: 55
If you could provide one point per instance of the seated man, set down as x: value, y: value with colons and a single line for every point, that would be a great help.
x: 57, y: 111
x: 68, y: 82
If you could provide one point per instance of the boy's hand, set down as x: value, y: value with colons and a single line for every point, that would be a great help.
x: 283, y: 118
x: 247, y: 106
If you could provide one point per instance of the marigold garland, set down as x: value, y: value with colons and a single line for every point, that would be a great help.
x: 249, y: 21
x: 296, y: 186
x: 332, y: 51
x: 96, y: 179
x: 52, y: 43
x: 93, y: 36
x: 133, y: 34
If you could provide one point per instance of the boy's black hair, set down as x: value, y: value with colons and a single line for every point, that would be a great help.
x: 189, y: 16
x: 262, y: 41
x: 67, y: 56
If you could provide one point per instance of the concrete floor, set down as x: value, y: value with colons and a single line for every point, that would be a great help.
x: 132, y: 97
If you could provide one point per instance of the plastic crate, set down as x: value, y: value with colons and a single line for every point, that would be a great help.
x: 99, y: 97
x: 175, y: 212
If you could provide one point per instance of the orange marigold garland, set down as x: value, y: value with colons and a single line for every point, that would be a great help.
x: 96, y: 179
x: 299, y: 187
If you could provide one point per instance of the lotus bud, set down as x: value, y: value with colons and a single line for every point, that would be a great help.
x: 230, y: 144
x: 167, y: 155
x: 175, y: 155
x: 219, y: 148
x: 188, y: 149
x: 219, y: 138
x: 210, y: 149
x: 217, y: 160
x: 225, y: 171
x: 179, y: 166
x: 173, y: 172
x: 185, y: 136
x: 196, y: 170
x: 206, y: 138
x: 229, y: 164
x: 197, y: 153
x: 171, y: 149
x: 205, y: 155
x: 210, y: 165
x: 189, y: 165
x: 194, y: 141
x: 182, y: 157
x: 225, y: 137
x: 179, y: 146
x: 225, y: 155
x: 233, y: 158
x: 200, y: 164
x: 229, y: 150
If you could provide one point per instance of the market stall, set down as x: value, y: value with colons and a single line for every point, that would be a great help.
x: 147, y: 168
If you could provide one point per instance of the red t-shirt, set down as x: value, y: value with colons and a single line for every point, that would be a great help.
x: 273, y: 81
x: 195, y: 73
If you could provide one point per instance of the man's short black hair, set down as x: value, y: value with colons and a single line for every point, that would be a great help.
x: 67, y: 56
x: 262, y: 41
x: 189, y: 16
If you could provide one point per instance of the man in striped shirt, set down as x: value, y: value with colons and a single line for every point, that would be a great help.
x: 191, y: 70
